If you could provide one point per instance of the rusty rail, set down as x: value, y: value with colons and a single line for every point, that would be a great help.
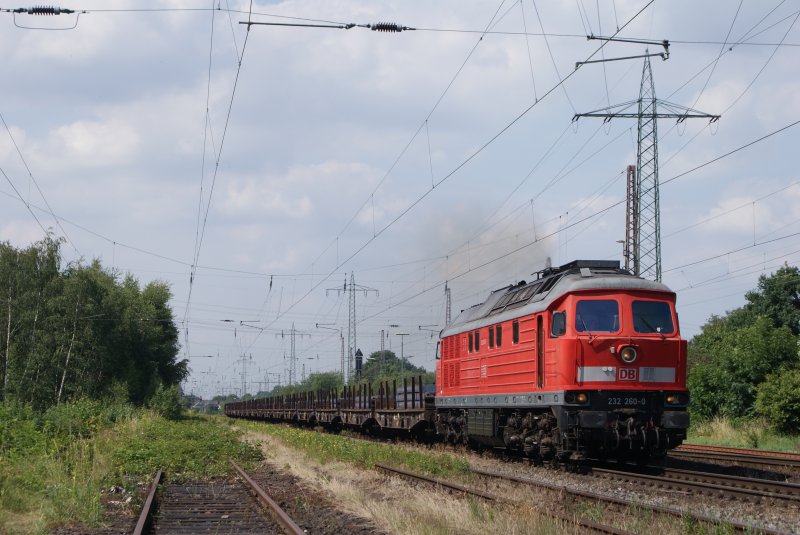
x: 704, y: 486
x: 706, y: 448
x: 280, y: 515
x: 147, y: 509
x: 710, y: 455
x: 600, y: 528
x: 439, y: 482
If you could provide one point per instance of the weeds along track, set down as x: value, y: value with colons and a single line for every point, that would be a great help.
x: 625, y: 503
x: 461, y: 489
x: 235, y: 505
x: 721, y: 500
x: 749, y: 457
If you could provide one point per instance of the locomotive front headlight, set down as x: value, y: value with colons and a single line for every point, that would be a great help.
x: 676, y: 398
x: 581, y: 397
x: 628, y: 354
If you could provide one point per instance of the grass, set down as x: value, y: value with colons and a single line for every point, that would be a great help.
x: 330, y: 462
x: 392, y: 504
x: 324, y: 448
x: 749, y: 434
x: 52, y: 475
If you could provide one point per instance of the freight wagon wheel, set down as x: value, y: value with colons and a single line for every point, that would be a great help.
x: 335, y: 425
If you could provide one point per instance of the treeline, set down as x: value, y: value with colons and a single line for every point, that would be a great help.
x: 78, y: 331
x: 746, y: 364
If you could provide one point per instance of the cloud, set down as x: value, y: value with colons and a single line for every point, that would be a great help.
x: 21, y: 233
x: 296, y: 193
x: 97, y: 144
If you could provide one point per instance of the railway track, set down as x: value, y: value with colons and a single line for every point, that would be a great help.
x: 455, y: 487
x: 221, y: 506
x: 750, y: 457
x: 669, y: 511
x: 738, y: 451
x: 706, y: 483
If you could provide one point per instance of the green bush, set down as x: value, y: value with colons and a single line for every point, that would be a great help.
x: 778, y: 399
x: 729, y: 362
x: 167, y: 402
x: 79, y: 419
x: 19, y: 433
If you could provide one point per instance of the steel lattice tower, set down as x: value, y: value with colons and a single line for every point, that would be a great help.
x: 647, y: 251
x: 351, y: 323
x: 643, y: 227
x: 448, y: 305
x: 351, y: 326
x: 630, y: 221
x: 292, y: 359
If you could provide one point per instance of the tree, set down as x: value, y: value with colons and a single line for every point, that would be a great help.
x: 323, y: 381
x: 734, y: 354
x: 383, y: 365
x: 75, y: 331
x: 778, y: 400
x: 778, y: 298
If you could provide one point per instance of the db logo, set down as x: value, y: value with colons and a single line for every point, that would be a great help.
x: 628, y: 374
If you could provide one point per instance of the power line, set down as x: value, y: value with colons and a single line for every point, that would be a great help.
x: 214, y: 176
x: 463, y: 163
x: 36, y: 183
x: 422, y: 125
x: 596, y: 214
x: 27, y: 205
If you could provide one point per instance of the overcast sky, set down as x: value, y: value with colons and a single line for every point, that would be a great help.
x: 408, y: 159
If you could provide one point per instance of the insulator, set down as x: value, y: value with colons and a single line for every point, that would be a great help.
x: 47, y: 10
x: 387, y: 27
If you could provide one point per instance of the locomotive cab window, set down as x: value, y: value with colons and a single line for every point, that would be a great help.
x: 515, y: 332
x: 477, y: 340
x: 491, y: 337
x: 559, y: 324
x: 595, y: 316
x: 499, y: 335
x: 471, y: 346
x: 652, y: 317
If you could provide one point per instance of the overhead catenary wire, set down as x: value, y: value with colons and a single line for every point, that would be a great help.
x: 39, y: 189
x: 214, y: 178
x: 461, y: 165
x: 200, y: 267
x: 603, y: 211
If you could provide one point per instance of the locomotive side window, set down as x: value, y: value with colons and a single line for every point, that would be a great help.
x: 559, y: 324
x: 515, y: 332
x: 470, y: 343
x: 499, y: 335
x: 491, y: 337
x: 652, y: 317
x: 597, y: 316
x: 477, y: 340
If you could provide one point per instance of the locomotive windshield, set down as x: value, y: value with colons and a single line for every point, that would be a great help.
x: 652, y: 317
x: 597, y: 316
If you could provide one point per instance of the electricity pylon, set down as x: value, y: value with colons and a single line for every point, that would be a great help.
x: 351, y: 325
x: 643, y: 242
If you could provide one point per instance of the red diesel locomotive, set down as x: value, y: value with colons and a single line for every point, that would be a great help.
x: 585, y: 361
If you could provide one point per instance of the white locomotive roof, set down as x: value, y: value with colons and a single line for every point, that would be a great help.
x: 527, y: 298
